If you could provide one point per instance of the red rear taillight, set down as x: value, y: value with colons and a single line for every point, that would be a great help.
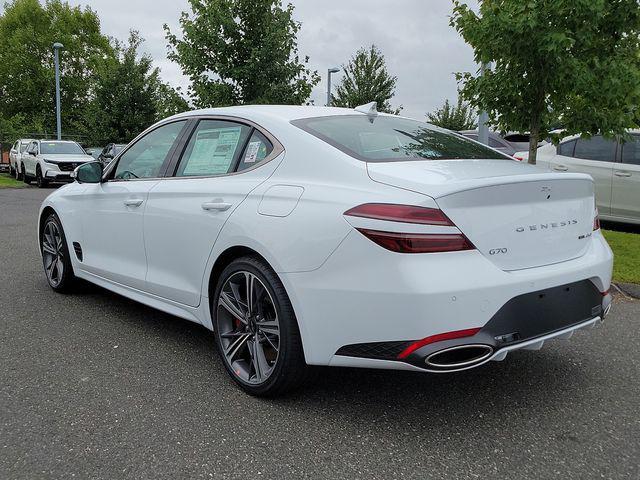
x: 596, y: 221
x: 401, y: 213
x: 403, y: 242
x: 519, y: 158
x: 470, y: 332
x: 418, y: 242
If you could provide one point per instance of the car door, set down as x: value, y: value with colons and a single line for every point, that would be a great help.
x: 112, y: 216
x: 595, y: 156
x: 185, y: 213
x: 13, y: 153
x: 29, y: 160
x: 625, y: 191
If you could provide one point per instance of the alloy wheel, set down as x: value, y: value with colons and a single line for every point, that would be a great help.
x: 53, y: 253
x: 248, y: 327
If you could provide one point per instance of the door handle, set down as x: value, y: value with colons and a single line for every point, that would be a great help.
x: 560, y: 168
x: 133, y: 202
x: 219, y: 206
x: 619, y: 173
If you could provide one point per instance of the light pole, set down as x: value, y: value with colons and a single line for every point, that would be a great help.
x: 329, y: 72
x: 56, y: 60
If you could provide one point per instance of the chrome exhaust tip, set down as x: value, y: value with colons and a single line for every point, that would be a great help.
x: 460, y: 356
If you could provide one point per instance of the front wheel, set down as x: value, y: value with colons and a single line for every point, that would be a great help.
x: 256, y: 329
x: 40, y: 180
x: 25, y: 177
x: 55, y: 255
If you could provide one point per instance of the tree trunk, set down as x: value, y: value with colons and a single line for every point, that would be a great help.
x: 534, y: 138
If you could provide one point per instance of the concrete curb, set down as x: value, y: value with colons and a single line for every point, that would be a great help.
x: 630, y: 289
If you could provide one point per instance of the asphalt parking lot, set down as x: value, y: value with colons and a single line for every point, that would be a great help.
x: 96, y: 386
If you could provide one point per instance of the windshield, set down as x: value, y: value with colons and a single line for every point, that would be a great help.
x: 390, y: 138
x: 61, y: 148
x: 23, y: 147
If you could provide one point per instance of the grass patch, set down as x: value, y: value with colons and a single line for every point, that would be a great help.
x: 7, y: 181
x: 626, y: 251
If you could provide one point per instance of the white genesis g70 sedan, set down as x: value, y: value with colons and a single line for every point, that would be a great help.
x: 327, y: 236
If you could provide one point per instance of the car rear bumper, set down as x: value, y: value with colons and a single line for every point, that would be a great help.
x: 365, y: 295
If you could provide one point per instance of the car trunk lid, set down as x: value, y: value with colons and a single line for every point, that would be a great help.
x: 516, y: 215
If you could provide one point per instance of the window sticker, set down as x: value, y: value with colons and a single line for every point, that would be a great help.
x: 252, y: 152
x: 213, y: 151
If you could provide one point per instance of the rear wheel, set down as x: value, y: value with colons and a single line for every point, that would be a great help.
x: 55, y: 255
x: 256, y: 329
x: 40, y: 180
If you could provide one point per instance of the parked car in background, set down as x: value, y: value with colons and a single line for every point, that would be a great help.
x: 15, y: 156
x: 109, y: 152
x: 508, y: 144
x: 495, y: 141
x: 51, y: 161
x: 93, y: 151
x: 375, y: 241
x: 614, y: 166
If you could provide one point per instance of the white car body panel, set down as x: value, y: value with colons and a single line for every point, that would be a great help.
x: 344, y: 288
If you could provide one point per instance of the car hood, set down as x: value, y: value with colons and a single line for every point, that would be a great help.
x: 79, y: 158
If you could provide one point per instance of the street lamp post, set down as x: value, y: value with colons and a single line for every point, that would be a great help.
x: 329, y: 72
x: 56, y: 48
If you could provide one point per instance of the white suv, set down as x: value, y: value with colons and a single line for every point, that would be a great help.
x: 51, y: 161
x: 15, y: 157
x: 614, y: 166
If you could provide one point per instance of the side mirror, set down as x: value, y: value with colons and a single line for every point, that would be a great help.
x: 90, y: 172
x: 32, y: 153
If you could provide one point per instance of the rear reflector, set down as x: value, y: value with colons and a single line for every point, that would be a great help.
x: 470, y: 332
x: 418, y: 242
x: 596, y: 221
x: 401, y: 213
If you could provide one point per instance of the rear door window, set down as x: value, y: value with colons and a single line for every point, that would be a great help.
x: 631, y: 151
x: 213, y: 148
x: 595, y: 148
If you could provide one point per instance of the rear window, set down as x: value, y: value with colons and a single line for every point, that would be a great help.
x: 389, y: 139
x: 61, y: 148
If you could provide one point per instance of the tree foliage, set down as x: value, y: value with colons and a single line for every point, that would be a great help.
x: 365, y: 80
x: 454, y: 117
x: 27, y: 88
x: 108, y: 91
x: 129, y: 95
x: 573, y: 61
x: 240, y: 52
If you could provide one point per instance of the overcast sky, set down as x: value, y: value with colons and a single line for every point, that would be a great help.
x: 420, y: 47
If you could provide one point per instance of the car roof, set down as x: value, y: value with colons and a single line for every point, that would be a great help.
x: 281, y: 112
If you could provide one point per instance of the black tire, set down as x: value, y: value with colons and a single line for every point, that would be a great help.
x: 12, y: 171
x: 18, y: 174
x: 25, y: 178
x: 289, y: 368
x: 40, y: 180
x: 66, y: 280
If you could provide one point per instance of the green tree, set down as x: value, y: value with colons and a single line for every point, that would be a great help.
x: 128, y: 96
x: 27, y: 88
x: 241, y: 51
x: 573, y: 61
x: 457, y: 118
x: 365, y: 80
